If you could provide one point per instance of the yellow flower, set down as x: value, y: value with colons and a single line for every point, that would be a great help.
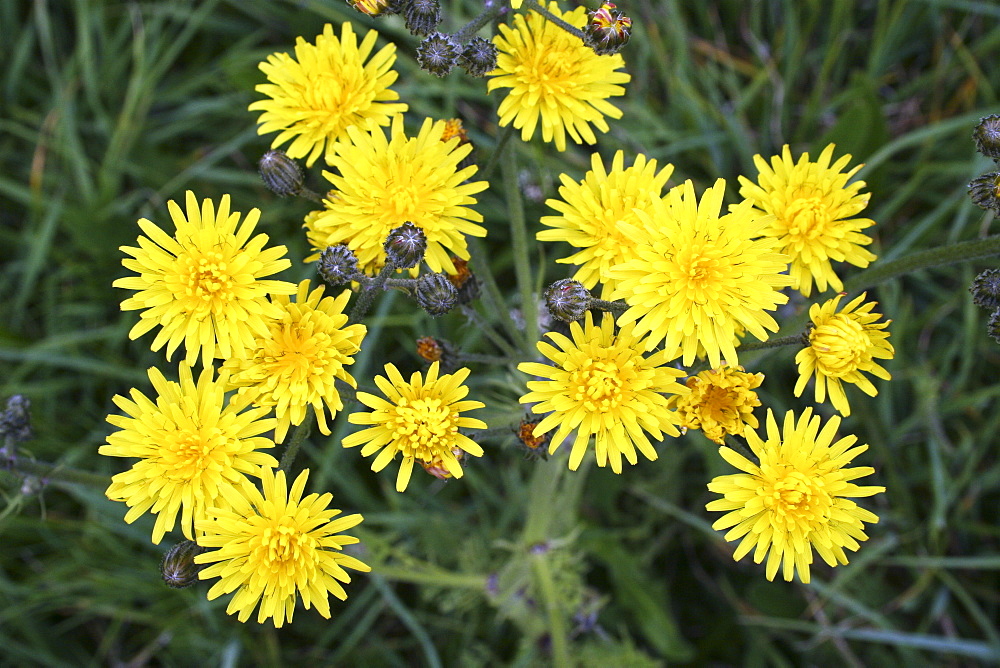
x: 554, y: 78
x: 298, y: 362
x: 721, y: 402
x: 421, y: 420
x: 797, y: 499
x: 382, y: 183
x: 842, y: 348
x: 812, y: 204
x: 699, y: 276
x: 195, y: 449
x: 327, y: 88
x: 601, y: 385
x: 515, y: 4
x: 204, y: 285
x: 275, y: 546
x: 594, y: 210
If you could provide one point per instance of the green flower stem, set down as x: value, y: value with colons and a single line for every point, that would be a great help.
x: 369, y: 291
x: 299, y: 434
x: 443, y: 579
x: 792, y: 340
x: 953, y: 254
x: 549, y: 16
x: 469, y: 30
x: 506, y: 133
x: 557, y: 625
x: 484, y: 327
x: 522, y: 250
x: 617, y: 307
x: 57, y: 472
x: 312, y: 195
x: 408, y: 620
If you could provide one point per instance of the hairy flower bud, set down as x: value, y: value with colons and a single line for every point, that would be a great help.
x: 985, y: 191
x: 567, y: 299
x: 280, y: 174
x: 430, y: 349
x: 985, y: 289
x: 987, y: 136
x: 464, y: 280
x: 436, y: 294
x: 438, y: 54
x: 993, y: 326
x: 405, y: 246
x: 479, y: 57
x: 15, y: 420
x: 607, y: 31
x: 178, y: 567
x: 422, y: 16
x: 338, y: 265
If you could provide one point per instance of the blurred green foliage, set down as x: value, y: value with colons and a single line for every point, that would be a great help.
x: 108, y: 109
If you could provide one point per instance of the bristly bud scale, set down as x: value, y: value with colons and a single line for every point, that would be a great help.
x: 178, y: 568
x: 993, y: 326
x: 438, y: 54
x: 987, y: 136
x: 985, y: 289
x: 15, y: 420
x: 567, y: 299
x: 422, y: 16
x: 435, y: 294
x: 985, y: 191
x: 607, y: 31
x: 405, y: 246
x: 479, y: 57
x: 338, y: 265
x: 280, y: 174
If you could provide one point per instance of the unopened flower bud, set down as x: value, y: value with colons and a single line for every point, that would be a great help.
x: 178, y: 567
x: 338, y: 265
x: 525, y: 432
x: 567, y: 299
x: 987, y: 136
x: 479, y: 57
x: 464, y: 280
x: 993, y: 326
x: 436, y: 294
x: 438, y: 54
x: 985, y: 191
x: 430, y: 349
x: 15, y: 420
x: 281, y: 174
x: 607, y: 31
x: 985, y: 289
x: 422, y: 16
x: 405, y: 246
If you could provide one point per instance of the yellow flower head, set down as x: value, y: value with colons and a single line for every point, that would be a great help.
x: 553, y: 76
x: 382, y: 183
x: 195, y: 449
x: 296, y: 365
x: 812, y: 204
x: 593, y: 212
x: 843, y: 346
x: 797, y: 498
x: 419, y: 419
x: 275, y: 546
x: 327, y: 88
x: 699, y: 275
x: 204, y: 285
x: 599, y: 384
x: 721, y: 402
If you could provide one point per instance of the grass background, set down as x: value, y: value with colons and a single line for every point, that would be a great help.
x: 108, y: 109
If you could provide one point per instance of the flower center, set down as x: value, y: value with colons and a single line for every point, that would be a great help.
x: 795, y: 498
x: 840, y: 345
x: 807, y: 217
x: 424, y: 428
x: 282, y: 548
x: 189, y: 454
x: 297, y: 353
x: 599, y: 386
x: 205, y: 281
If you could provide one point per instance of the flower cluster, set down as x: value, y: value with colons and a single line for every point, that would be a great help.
x: 693, y: 273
